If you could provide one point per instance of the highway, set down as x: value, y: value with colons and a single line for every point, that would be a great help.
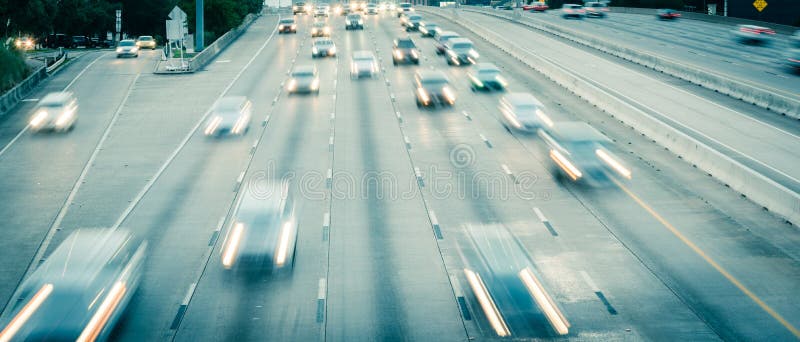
x: 386, y: 193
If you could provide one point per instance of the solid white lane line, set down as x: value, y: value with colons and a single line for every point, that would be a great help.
x: 323, y: 284
x: 506, y: 169
x: 83, y: 71
x: 326, y: 220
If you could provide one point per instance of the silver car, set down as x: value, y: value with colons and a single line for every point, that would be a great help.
x: 304, y: 80
x: 523, y: 112
x: 583, y: 154
x: 752, y: 34
x: 230, y: 115
x: 460, y: 51
x: 363, y: 64
x: 323, y: 47
x: 55, y: 112
x: 433, y: 88
x: 486, y: 76
x: 127, y: 48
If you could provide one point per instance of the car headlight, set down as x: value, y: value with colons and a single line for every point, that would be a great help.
x: 501, y: 80
x: 414, y: 54
x: 39, y: 118
x: 423, y: 95
x: 212, y: 125
x: 411, y: 10
x: 119, y: 49
x: 314, y: 50
x: 280, y: 27
x: 473, y: 53
x: 18, y: 43
x: 315, y: 84
x: 477, y: 82
x: 360, y: 22
x: 138, y: 43
x: 327, y: 30
x: 332, y: 51
x: 64, y: 118
x: 307, y: 8
x: 398, y: 54
x: 294, y: 26
x: 448, y: 94
x: 292, y: 85
x: 134, y: 49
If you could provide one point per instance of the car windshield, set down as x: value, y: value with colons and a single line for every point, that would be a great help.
x: 415, y: 17
x: 405, y: 44
x: 145, y: 38
x: 433, y: 83
x: 303, y: 73
x: 462, y: 46
x: 287, y: 21
x: 127, y: 43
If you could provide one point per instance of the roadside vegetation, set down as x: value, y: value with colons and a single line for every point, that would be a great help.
x: 12, y: 68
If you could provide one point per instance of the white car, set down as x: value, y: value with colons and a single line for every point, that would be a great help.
x: 127, y: 48
x: 363, y: 64
x: 55, y: 112
x: 304, y: 80
x: 523, y: 112
x: 323, y: 47
x: 230, y: 116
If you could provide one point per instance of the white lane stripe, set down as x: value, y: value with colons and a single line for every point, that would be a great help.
x: 188, y: 136
x: 241, y: 178
x: 220, y: 223
x: 326, y: 220
x: 224, y: 61
x: 432, y: 216
x: 484, y: 138
x: 505, y: 169
x: 540, y: 215
x: 83, y: 71
x: 24, y: 129
x: 323, y: 284
x: 189, y: 294
x: 417, y: 173
x: 333, y: 115
x: 330, y: 174
x: 465, y: 113
x: 589, y: 281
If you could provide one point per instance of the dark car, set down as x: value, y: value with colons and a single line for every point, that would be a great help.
x: 667, y: 14
x: 57, y: 40
x: 102, y: 43
x: 299, y: 7
x: 460, y: 51
x: 405, y: 51
x: 427, y: 29
x: 81, y: 41
x: 596, y: 9
x: 432, y: 88
x: 412, y: 22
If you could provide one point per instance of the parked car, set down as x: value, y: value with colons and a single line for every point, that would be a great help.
x: 102, y: 43
x: 57, y: 40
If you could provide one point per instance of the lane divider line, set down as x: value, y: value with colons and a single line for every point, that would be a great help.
x: 462, y: 302
x: 545, y: 221
x: 485, y: 141
x: 326, y: 226
x: 321, y: 300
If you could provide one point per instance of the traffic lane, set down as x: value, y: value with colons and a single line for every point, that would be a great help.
x: 40, y: 170
x: 180, y: 214
x: 717, y: 124
x: 655, y: 189
x: 760, y: 65
x: 384, y: 264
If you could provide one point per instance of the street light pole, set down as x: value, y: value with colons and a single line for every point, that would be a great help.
x: 198, y: 27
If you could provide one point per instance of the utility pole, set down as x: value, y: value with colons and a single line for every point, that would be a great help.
x: 198, y: 27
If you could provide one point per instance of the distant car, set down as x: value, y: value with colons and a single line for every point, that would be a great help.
x: 523, y: 112
x: 437, y: 31
x: 536, y: 7
x: 80, y: 291
x: 300, y: 8
x: 323, y: 47
x: 486, y: 76
x: 81, y: 41
x: 363, y: 63
x: 354, y: 22
x: 667, y: 14
x: 320, y: 29
x: 596, y: 9
x: 338, y: 9
x: 793, y: 55
x: 427, y: 29
x: 321, y: 11
x: 432, y: 88
x: 583, y: 154
x: 412, y: 23
x: 404, y: 8
x: 24, y: 43
x: 572, y: 11
x: 752, y: 34
x: 263, y: 235
x: 57, y: 40
x: 442, y: 39
x: 127, y: 48
x: 102, y: 43
x: 372, y: 9
x: 229, y: 116
x: 146, y: 42
x: 404, y: 51
x: 460, y: 51
x: 55, y: 112
x: 304, y: 79
x: 287, y: 25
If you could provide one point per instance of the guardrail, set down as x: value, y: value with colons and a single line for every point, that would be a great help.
x: 211, y: 51
x: 721, y: 83
x: 739, y: 177
x: 58, y: 62
x: 12, y: 97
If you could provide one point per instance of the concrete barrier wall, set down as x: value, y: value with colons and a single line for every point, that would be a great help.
x: 755, y: 186
x: 718, y: 19
x: 210, y: 52
x: 11, y: 98
x: 789, y: 106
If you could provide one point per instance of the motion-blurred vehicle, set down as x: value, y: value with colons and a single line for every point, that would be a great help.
x: 304, y: 79
x: 432, y: 88
x: 437, y: 31
x: 338, y: 9
x: 412, y: 22
x: 127, y: 48
x: 321, y: 11
x: 363, y: 64
x: 372, y: 8
x: 24, y: 43
x: 503, y: 280
x: 752, y: 34
x: 300, y: 8
x: 536, y: 7
x: 263, y: 235
x: 583, y: 154
x: 667, y: 14
x: 461, y: 51
x: 427, y: 29
x: 391, y: 6
x: 287, y: 25
x: 596, y: 9
x: 146, y: 42
x: 81, y: 289
x: 523, y: 112
x: 55, y: 112
x: 404, y: 8
x: 442, y: 39
x: 57, y: 40
x: 354, y: 7
x: 229, y: 116
x: 572, y: 11
x: 320, y: 29
x: 354, y: 22
x: 793, y: 55
x: 323, y: 47
x: 81, y: 41
x: 486, y: 76
x: 404, y: 51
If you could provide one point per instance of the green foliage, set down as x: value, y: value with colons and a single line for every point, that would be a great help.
x: 12, y: 68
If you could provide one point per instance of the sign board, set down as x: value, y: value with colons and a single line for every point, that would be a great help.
x: 760, y: 5
x: 177, y: 26
x: 119, y: 21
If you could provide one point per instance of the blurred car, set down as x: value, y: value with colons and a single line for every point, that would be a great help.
x: 57, y: 40
x: 404, y: 51
x: 127, y: 48
x: 24, y: 43
x: 572, y: 11
x: 102, y: 43
x: 323, y: 47
x: 427, y: 29
x: 80, y: 291
x: 230, y: 116
x: 338, y: 9
x: 460, y: 51
x: 287, y: 25
x: 263, y: 234
x: 146, y: 42
x: 536, y: 7
x: 432, y: 88
x: 81, y: 41
x: 304, y: 79
x: 371, y: 8
x: 363, y: 63
x: 300, y: 8
x: 412, y: 22
x: 442, y: 39
x: 503, y: 279
x: 354, y: 22
x: 55, y: 112
x: 391, y: 6
x: 320, y: 29
x: 667, y: 14
x: 437, y: 31
x: 523, y: 112
x: 321, y: 11
x: 752, y: 34
x: 486, y: 76
x: 354, y: 7
x: 404, y: 8
x: 583, y: 154
x: 793, y: 55
x: 596, y: 9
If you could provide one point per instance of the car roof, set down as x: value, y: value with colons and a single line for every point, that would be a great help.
x: 486, y: 66
x: 229, y: 103
x: 575, y: 131
x: 56, y: 98
x: 431, y: 75
x: 304, y: 68
x: 127, y: 40
x: 322, y: 41
x: 362, y: 54
x: 459, y: 40
x: 521, y: 99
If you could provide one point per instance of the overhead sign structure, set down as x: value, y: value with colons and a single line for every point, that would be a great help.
x: 760, y: 5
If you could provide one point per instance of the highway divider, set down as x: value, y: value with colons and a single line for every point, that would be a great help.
x: 786, y: 104
x: 11, y: 98
x: 755, y: 186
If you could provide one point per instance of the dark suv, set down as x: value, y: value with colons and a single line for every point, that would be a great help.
x: 405, y: 51
x: 81, y: 41
x: 57, y: 40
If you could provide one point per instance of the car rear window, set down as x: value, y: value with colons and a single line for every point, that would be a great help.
x: 462, y: 46
x: 145, y: 38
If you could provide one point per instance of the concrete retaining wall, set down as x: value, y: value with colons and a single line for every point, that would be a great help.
x: 211, y: 51
x: 11, y: 98
x: 755, y: 186
x: 718, y: 19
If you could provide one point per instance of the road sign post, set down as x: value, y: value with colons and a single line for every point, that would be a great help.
x: 118, y: 25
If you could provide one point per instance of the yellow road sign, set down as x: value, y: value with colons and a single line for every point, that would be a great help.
x: 760, y: 5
